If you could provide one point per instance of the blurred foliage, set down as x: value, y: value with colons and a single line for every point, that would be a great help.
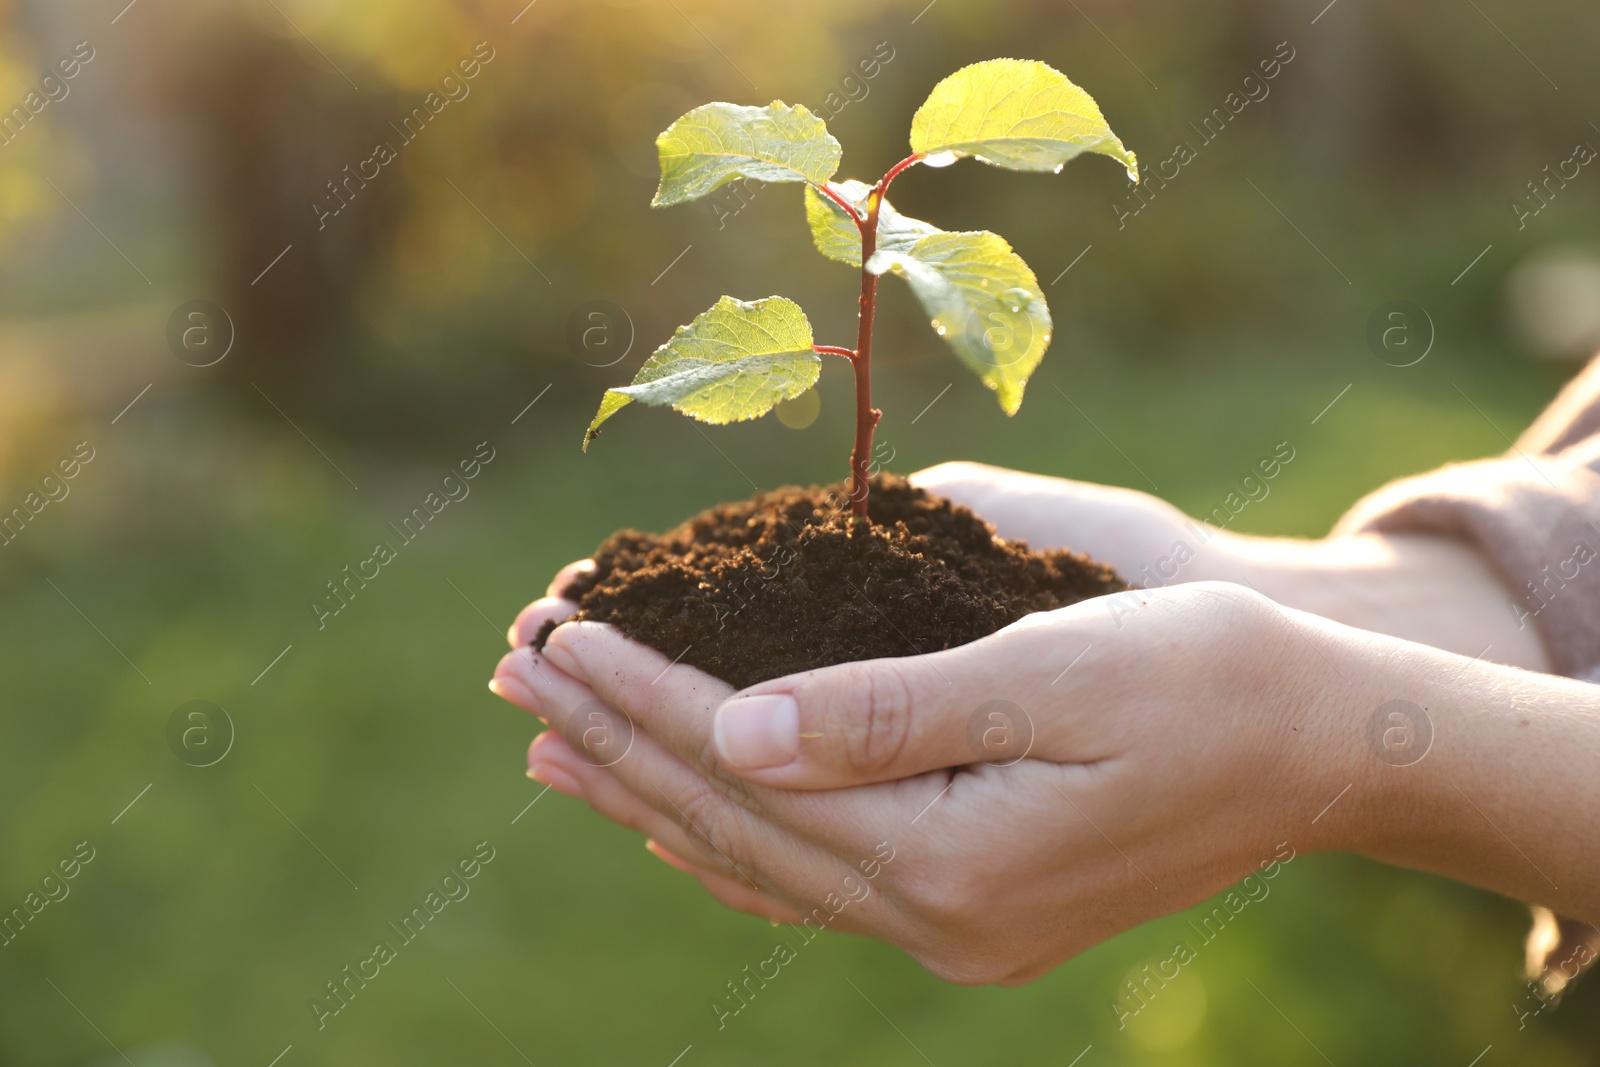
x: 426, y: 316
x: 24, y: 192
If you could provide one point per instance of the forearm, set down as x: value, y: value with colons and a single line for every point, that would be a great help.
x: 1486, y: 774
x: 1431, y: 590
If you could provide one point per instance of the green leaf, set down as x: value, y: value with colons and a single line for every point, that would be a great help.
x: 1013, y: 113
x: 835, y: 233
x: 983, y: 300
x: 982, y: 297
x: 734, y: 362
x: 716, y: 143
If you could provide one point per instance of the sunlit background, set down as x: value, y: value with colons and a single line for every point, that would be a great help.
x: 372, y: 350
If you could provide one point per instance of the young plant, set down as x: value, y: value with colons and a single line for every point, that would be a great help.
x: 739, y: 360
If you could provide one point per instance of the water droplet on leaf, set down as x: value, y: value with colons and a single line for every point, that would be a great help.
x: 1017, y: 299
x: 939, y: 159
x: 1057, y: 168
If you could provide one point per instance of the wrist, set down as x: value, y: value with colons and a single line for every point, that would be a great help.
x: 1334, y: 798
x: 1462, y: 768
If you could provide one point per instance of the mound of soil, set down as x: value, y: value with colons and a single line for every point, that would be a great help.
x: 787, y: 581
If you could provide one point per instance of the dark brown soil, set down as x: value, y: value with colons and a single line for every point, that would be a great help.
x: 787, y: 582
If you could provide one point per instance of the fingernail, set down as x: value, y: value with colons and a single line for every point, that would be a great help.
x: 508, y: 688
x: 562, y: 658
x: 554, y: 777
x: 752, y: 733
x: 563, y: 661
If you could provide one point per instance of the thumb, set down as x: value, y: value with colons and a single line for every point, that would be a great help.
x: 872, y: 721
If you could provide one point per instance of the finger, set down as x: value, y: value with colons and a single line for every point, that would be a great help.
x: 886, y: 719
x: 1123, y: 527
x: 676, y: 705
x: 961, y: 481
x: 1038, y: 509
x: 608, y: 740
x: 577, y: 568
x: 554, y: 762
x: 1033, y: 689
x: 509, y: 684
x: 531, y: 619
x: 775, y: 854
x: 553, y: 606
x: 671, y: 859
x: 740, y: 897
x: 727, y: 891
x: 733, y: 893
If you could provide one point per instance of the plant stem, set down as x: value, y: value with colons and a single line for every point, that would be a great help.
x: 894, y: 171
x: 842, y: 202
x: 867, y: 416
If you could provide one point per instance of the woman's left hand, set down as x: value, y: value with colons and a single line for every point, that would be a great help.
x: 992, y: 809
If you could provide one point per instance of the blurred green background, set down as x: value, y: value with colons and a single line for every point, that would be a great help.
x: 375, y: 353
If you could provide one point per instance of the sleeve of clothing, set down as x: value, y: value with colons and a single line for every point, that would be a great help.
x: 1534, y: 513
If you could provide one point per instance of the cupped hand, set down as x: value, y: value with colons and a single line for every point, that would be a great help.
x: 1430, y: 589
x: 1132, y: 531
x: 992, y: 809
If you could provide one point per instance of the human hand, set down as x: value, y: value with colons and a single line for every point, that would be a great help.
x: 1433, y: 590
x: 1126, y: 528
x: 1428, y: 589
x: 1176, y: 746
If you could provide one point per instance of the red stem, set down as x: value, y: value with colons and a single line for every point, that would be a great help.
x: 867, y: 416
x: 842, y: 202
x: 894, y: 171
x: 832, y: 351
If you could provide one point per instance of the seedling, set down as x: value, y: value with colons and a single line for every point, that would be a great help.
x: 739, y: 360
